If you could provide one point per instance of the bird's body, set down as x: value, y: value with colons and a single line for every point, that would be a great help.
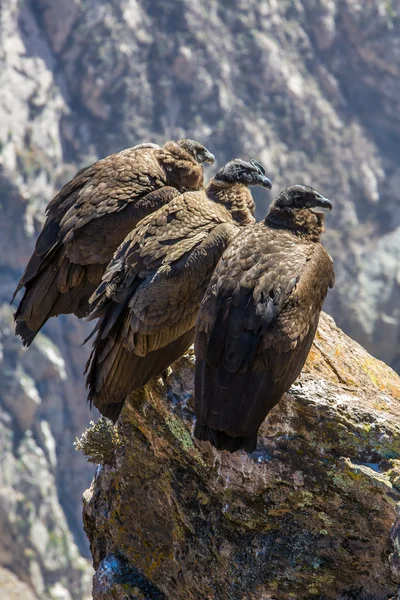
x: 257, y: 322
x: 152, y: 290
x: 90, y: 217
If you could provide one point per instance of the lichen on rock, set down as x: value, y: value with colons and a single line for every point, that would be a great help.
x: 307, y: 516
x: 297, y: 84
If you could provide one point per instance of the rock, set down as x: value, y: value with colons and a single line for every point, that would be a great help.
x: 376, y: 289
x: 297, y: 84
x: 309, y: 87
x: 42, y: 389
x: 307, y: 516
x: 13, y: 589
x: 36, y: 542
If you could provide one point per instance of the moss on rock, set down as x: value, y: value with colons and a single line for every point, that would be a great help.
x: 307, y: 516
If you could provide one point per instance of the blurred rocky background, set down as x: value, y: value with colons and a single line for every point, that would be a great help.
x: 311, y: 88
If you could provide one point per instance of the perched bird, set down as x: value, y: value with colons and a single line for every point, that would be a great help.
x: 258, y: 319
x: 91, y: 216
x: 152, y: 289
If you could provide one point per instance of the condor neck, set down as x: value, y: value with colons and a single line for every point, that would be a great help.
x: 302, y: 223
x: 236, y: 197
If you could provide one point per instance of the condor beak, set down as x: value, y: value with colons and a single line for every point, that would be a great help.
x: 265, y: 182
x: 323, y: 202
x: 209, y: 158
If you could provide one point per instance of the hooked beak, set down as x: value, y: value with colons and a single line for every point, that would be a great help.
x: 323, y: 202
x: 265, y: 182
x: 209, y: 158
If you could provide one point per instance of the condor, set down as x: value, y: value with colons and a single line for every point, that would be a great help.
x: 258, y: 319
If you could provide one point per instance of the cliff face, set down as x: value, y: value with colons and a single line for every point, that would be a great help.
x: 307, y: 516
x: 310, y: 88
x: 36, y: 545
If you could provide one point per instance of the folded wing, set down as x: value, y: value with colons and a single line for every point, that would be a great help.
x: 150, y: 295
x: 85, y: 224
x: 255, y: 328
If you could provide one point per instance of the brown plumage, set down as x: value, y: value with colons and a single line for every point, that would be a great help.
x: 151, y: 291
x: 258, y: 319
x: 91, y: 216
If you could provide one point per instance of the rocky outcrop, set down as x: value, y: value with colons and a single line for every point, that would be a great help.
x: 309, y: 87
x: 307, y: 516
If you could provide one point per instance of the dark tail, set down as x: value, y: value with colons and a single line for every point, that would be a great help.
x: 27, y: 335
x: 114, y: 371
x: 35, y: 306
x: 222, y: 441
x: 60, y: 287
x: 111, y: 411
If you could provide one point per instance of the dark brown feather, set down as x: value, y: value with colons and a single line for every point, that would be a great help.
x: 87, y: 221
x: 153, y: 287
x: 256, y: 325
x: 135, y: 372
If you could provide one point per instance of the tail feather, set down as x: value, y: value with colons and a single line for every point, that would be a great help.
x: 30, y: 272
x: 53, y: 287
x: 229, y: 418
x: 112, y: 411
x: 45, y: 246
x: 223, y: 441
x: 38, y: 301
x: 123, y: 371
x: 27, y: 335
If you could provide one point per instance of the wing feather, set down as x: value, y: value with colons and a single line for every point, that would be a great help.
x: 254, y: 329
x: 77, y: 244
x: 161, y: 284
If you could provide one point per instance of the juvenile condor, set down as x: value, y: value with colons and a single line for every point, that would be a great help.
x: 258, y: 319
x: 152, y: 289
x: 91, y: 216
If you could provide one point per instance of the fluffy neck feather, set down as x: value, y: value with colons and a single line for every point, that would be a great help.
x: 304, y: 223
x: 181, y: 168
x: 236, y: 197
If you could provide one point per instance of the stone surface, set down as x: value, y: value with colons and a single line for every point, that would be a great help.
x: 309, y: 87
x: 36, y: 543
x: 307, y: 516
x: 14, y: 589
